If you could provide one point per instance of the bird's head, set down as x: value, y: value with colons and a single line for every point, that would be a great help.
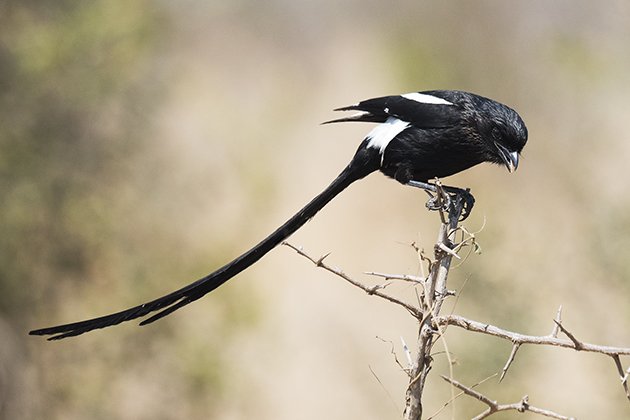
x: 505, y: 135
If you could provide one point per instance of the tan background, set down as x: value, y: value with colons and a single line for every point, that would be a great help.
x: 145, y: 144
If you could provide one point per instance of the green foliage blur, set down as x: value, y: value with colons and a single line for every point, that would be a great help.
x: 68, y: 73
x: 79, y: 85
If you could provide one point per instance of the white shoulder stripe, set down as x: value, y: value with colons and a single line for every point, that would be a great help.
x: 382, y: 134
x: 425, y: 99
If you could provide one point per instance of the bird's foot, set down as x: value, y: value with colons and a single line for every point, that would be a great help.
x: 468, y: 200
x: 443, y: 197
x: 438, y: 201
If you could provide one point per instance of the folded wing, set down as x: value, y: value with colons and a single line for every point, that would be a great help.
x: 422, y: 109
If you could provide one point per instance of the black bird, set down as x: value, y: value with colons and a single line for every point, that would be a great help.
x: 421, y: 136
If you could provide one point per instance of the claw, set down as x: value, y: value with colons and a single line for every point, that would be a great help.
x: 441, y: 201
x: 469, y: 203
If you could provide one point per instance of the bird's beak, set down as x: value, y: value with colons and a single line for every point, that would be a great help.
x: 509, y: 158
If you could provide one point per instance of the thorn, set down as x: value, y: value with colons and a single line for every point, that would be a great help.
x: 515, y: 348
x: 321, y: 259
x: 375, y: 288
x: 448, y: 251
x: 524, y: 404
x: 407, y: 352
x: 557, y: 320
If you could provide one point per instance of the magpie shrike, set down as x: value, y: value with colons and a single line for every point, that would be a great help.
x: 420, y: 136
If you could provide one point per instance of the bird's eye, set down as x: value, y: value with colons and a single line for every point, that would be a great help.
x: 496, y: 133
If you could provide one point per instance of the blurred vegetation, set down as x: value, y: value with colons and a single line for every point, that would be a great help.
x: 67, y: 74
x: 78, y: 85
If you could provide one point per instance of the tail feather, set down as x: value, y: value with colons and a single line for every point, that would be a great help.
x: 362, y: 164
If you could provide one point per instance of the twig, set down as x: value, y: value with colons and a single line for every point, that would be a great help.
x: 384, y: 387
x: 578, y: 345
x: 545, y: 340
x: 403, y: 277
x: 369, y: 290
x: 423, y: 259
x: 457, y: 396
x: 392, y: 350
x: 517, y: 338
x: 494, y: 407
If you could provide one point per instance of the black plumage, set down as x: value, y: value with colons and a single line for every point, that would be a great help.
x: 421, y: 136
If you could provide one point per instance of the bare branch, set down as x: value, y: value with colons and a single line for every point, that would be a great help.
x: 514, y: 337
x: 403, y: 277
x: 435, y: 293
x: 451, y: 239
x: 578, y: 345
x: 545, y: 340
x: 470, y: 392
x: 369, y: 290
x: 459, y: 395
x: 495, y: 407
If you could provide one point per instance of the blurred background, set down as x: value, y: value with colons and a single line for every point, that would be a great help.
x: 143, y: 144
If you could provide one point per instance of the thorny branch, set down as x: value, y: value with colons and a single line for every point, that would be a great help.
x: 494, y: 407
x: 451, y: 239
x: 435, y: 292
x: 454, y: 397
x: 545, y: 340
x: 319, y: 262
x: 519, y: 339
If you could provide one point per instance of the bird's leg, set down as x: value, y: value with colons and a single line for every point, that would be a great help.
x: 436, y: 201
x: 439, y: 200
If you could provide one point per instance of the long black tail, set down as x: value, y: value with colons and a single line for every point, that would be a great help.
x: 364, y: 162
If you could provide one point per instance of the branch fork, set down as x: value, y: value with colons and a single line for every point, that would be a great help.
x: 451, y: 205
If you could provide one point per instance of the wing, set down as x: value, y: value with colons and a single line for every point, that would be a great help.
x: 422, y: 109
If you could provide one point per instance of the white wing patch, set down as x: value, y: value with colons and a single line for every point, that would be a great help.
x: 358, y: 115
x: 382, y: 134
x: 426, y: 99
